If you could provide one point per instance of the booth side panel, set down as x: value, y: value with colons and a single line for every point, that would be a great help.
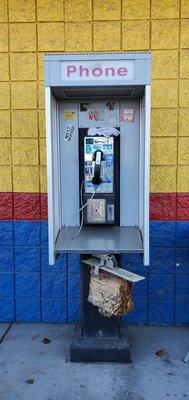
x: 53, y: 169
x: 147, y: 172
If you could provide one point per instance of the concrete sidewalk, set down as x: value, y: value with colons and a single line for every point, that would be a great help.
x: 33, y: 370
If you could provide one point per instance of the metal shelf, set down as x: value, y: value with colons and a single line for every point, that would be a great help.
x: 100, y: 239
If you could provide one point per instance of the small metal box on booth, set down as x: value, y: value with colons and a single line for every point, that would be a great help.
x: 84, y: 93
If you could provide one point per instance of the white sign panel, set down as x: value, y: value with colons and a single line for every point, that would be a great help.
x: 110, y: 71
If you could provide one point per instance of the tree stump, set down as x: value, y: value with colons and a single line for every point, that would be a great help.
x: 111, y: 294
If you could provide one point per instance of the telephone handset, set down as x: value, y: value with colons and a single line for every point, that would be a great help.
x: 98, y: 157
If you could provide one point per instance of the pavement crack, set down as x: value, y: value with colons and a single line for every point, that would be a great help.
x: 6, y: 332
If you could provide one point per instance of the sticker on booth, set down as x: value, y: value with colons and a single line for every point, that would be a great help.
x: 69, y: 115
x: 127, y: 115
x: 69, y: 133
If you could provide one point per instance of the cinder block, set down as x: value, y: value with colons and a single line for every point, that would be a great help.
x: 162, y: 234
x: 110, y: 32
x: 165, y: 64
x: 182, y: 313
x: 5, y: 179
x: 50, y: 10
x: 184, y: 34
x: 60, y: 263
x: 26, y: 206
x: 78, y: 36
x: 40, y: 66
x: 41, y: 95
x: 184, y: 122
x: 43, y: 180
x: 164, y: 151
x: 3, y: 37
x: 133, y: 262
x: 74, y: 262
x: 24, y: 123
x: 27, y: 259
x: 140, y: 289
x: 104, y: 10
x: 25, y: 152
x: 22, y: 37
x: 44, y: 233
x: 6, y: 259
x: 4, y: 67
x: 183, y: 150
x: 184, y: 93
x: 182, y: 258
x: 163, y: 206
x: 51, y: 36
x: 22, y: 11
x: 6, y: 284
x: 162, y: 261
x: 183, y: 179
x: 136, y: 9
x: 78, y: 10
x: 5, y: 95
x: 163, y: 179
x: 135, y: 35
x: 182, y: 236
x: 26, y: 233
x: 161, y: 313
x: 7, y: 310
x: 54, y: 310
x: 73, y: 285
x: 42, y: 144
x: 164, y: 122
x: 23, y: 66
x: 184, y: 63
x: 182, y: 288
x: 183, y: 206
x: 165, y: 9
x: 4, y: 123
x: 6, y: 206
x: 184, y: 9
x: 26, y: 179
x: 161, y: 287
x: 139, y: 315
x: 74, y: 309
x: 5, y: 152
x: 24, y: 95
x: 3, y: 11
x: 28, y: 310
x: 41, y: 116
x: 27, y: 284
x: 165, y: 94
x: 53, y: 284
x: 165, y: 34
x: 43, y: 206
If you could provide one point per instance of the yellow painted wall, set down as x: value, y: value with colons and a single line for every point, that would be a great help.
x: 29, y: 28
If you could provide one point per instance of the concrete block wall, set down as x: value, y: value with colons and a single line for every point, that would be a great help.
x: 29, y: 289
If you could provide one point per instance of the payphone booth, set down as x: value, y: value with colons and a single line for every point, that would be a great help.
x: 98, y: 150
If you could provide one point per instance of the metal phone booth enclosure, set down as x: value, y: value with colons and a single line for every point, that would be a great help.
x: 98, y: 152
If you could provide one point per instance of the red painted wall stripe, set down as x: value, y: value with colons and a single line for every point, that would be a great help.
x: 163, y: 206
x: 33, y: 206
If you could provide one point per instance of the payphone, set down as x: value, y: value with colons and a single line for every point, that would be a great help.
x: 99, y: 172
x: 98, y: 179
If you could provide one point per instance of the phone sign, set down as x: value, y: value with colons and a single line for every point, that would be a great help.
x: 108, y: 70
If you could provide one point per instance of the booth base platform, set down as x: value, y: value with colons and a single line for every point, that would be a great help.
x: 100, y: 349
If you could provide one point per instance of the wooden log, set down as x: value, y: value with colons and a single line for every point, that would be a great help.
x: 111, y: 294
